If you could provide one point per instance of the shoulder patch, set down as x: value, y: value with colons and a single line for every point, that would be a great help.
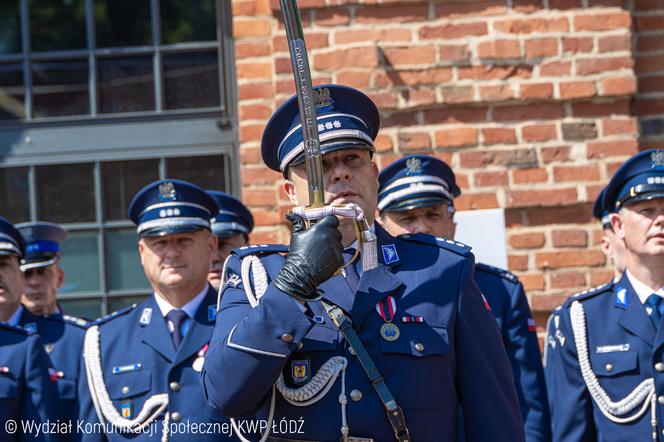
x: 448, y: 244
x: 259, y: 249
x: 505, y: 274
x: 79, y: 322
x: 12, y: 328
x: 587, y: 294
x: 113, y: 315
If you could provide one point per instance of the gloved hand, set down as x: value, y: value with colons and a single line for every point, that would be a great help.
x: 314, y: 256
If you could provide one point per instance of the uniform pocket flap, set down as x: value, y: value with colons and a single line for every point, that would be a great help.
x: 419, y: 339
x: 614, y: 363
x: 128, y: 385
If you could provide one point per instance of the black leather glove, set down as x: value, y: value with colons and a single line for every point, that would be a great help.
x: 314, y: 256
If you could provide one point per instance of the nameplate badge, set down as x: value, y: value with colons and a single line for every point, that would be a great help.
x: 126, y: 368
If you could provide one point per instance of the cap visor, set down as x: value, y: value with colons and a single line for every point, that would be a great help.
x: 169, y: 230
x: 416, y: 203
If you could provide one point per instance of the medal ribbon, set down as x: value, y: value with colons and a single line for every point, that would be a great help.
x: 387, y: 308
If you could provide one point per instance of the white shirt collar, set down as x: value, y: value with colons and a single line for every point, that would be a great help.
x: 642, y: 290
x: 189, y: 308
x: 16, y: 317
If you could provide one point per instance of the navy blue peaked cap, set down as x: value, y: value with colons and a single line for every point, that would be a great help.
x: 232, y: 218
x: 347, y: 118
x: 42, y: 243
x: 639, y: 178
x: 600, y: 211
x: 11, y: 241
x: 167, y: 207
x: 416, y: 181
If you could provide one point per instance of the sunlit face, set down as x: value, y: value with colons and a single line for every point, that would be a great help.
x: 350, y: 176
x: 223, y: 251
x: 435, y: 220
x: 180, y: 261
x: 12, y: 283
x: 641, y: 227
x: 41, y: 288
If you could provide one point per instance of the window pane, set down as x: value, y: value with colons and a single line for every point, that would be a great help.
x: 121, y: 180
x: 122, y: 23
x: 10, y: 27
x: 206, y: 172
x: 115, y: 304
x: 88, y: 309
x: 193, y: 20
x: 191, y: 80
x: 11, y: 90
x: 15, y: 194
x: 57, y: 24
x: 65, y: 193
x: 123, y: 266
x: 61, y: 88
x: 126, y: 84
x: 79, y: 261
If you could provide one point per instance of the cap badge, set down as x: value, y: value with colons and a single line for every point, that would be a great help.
x: 167, y: 191
x: 413, y: 166
x: 657, y: 159
x: 323, y: 99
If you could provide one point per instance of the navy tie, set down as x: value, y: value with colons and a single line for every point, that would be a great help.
x: 654, y: 302
x: 352, y: 277
x: 177, y: 318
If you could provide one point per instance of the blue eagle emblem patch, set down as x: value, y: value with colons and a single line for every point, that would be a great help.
x: 390, y: 254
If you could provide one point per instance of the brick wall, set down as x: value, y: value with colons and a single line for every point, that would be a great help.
x: 529, y: 101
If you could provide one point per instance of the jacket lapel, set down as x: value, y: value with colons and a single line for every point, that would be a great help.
x: 155, y: 332
x: 634, y: 318
x: 200, y: 330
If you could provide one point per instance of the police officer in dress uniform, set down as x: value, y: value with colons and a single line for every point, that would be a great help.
x: 612, y: 246
x: 605, y: 364
x: 143, y: 363
x: 231, y: 225
x: 419, y: 314
x: 28, y: 389
x: 416, y: 195
x: 61, y: 334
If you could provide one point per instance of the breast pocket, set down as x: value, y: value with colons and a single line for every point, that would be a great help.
x: 129, y: 385
x: 314, y: 350
x: 614, y: 363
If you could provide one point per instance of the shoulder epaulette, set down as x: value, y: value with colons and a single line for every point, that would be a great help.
x: 587, y: 294
x: 451, y: 245
x: 259, y: 249
x: 16, y: 329
x: 111, y: 316
x: 505, y: 274
x: 79, y: 322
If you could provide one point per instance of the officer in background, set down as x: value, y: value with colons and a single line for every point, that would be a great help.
x: 143, y: 362
x: 28, y: 389
x: 231, y: 225
x: 61, y: 335
x: 416, y: 195
x: 612, y: 246
x: 418, y: 313
x: 605, y: 371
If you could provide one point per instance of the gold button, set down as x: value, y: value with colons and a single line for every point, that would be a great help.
x: 287, y: 338
x: 175, y: 416
x: 356, y: 395
x: 175, y: 386
x: 125, y: 389
x: 419, y: 347
x: 659, y: 367
x: 609, y: 367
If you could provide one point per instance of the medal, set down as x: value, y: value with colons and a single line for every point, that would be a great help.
x: 387, y: 308
x: 200, y: 359
x: 389, y: 331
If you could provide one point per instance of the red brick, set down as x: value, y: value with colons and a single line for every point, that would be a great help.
x: 649, y: 23
x: 529, y: 176
x: 577, y: 89
x: 413, y: 77
x: 476, y: 201
x: 384, y: 100
x: 577, y: 258
x: 564, y: 4
x: 612, y: 167
x: 644, y: 5
x: 601, y: 149
x: 601, y: 65
x: 598, y: 277
x: 370, y: 35
x: 579, y: 213
x: 392, y: 14
x: 602, y: 22
x: 498, y: 135
x: 452, y: 53
x: 455, y: 115
x: 564, y: 174
x: 606, y: 3
x: 251, y: 132
x: 529, y: 198
x: 490, y: 179
x: 532, y: 282
x: 415, y: 97
x: 494, y: 72
x: 649, y: 43
x: 255, y: 27
x: 539, y: 132
x: 475, y: 8
x: 555, y: 68
x: 453, y: 30
x: 282, y: 65
x: 255, y: 90
x: 458, y: 94
x: 416, y: 140
x: 400, y: 119
x: 649, y: 106
x: 270, y: 236
x: 647, y: 64
x: 245, y: 49
x: 530, y: 25
x: 652, y: 84
x: 254, y: 71
x: 332, y: 17
x: 517, y: 158
x: 532, y: 240
x: 527, y: 6
x: 361, y: 57
x: 383, y: 143
x: 614, y: 43
x: 356, y: 79
x: 579, y: 131
x: 619, y: 127
x: 528, y: 112
x: 541, y: 47
x: 259, y: 197
x: 501, y: 92
x: 314, y: 41
x: 517, y: 263
x: 259, y: 175
x: 566, y: 280
x: 254, y: 112
x: 499, y: 49
x: 397, y: 56
x: 556, y: 154
x: 601, y: 109
x: 618, y: 86
x: 578, y: 44
x: 264, y: 217
x: 569, y: 238
x: 460, y: 137
x: 250, y: 155
x: 536, y: 91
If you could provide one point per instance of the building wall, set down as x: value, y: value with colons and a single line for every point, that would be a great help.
x: 530, y: 102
